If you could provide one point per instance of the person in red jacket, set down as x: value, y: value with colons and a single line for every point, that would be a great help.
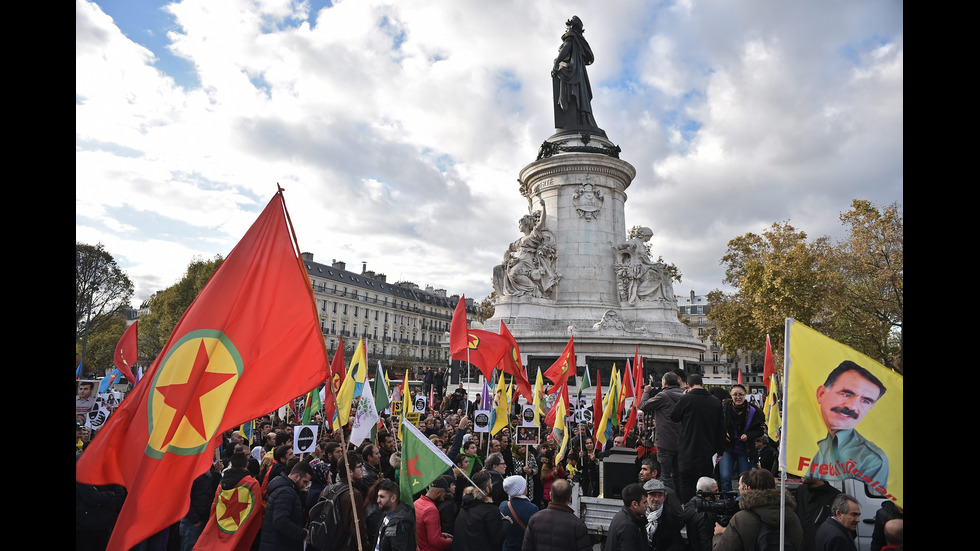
x: 428, y: 530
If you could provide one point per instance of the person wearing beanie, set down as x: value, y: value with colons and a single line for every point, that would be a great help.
x: 519, y: 508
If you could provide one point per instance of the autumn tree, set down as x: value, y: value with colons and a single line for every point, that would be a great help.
x: 852, y: 291
x: 169, y: 305
x: 866, y: 309
x: 777, y: 274
x: 101, y: 345
x: 102, y: 289
x: 486, y: 308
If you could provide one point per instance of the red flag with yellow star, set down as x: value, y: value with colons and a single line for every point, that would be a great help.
x: 236, y: 516
x: 476, y: 346
x: 250, y: 342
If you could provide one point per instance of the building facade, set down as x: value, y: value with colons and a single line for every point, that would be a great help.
x: 719, y: 367
x: 402, y: 325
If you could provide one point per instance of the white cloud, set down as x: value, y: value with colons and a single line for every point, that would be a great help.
x: 398, y: 129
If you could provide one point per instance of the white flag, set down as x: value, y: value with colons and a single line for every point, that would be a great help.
x: 365, y: 417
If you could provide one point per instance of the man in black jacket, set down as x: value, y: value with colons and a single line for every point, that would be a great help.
x: 627, y: 529
x: 398, y: 527
x: 702, y: 435
x: 663, y: 528
x: 837, y: 532
x: 191, y: 526
x: 282, y: 525
x: 814, y: 499
x: 557, y: 528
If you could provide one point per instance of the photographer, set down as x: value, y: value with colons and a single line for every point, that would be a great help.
x: 704, y: 510
x: 759, y: 502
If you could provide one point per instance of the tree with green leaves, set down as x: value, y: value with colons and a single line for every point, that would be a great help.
x: 777, y: 274
x: 486, y: 309
x: 169, y: 305
x: 102, y: 289
x: 851, y: 291
x: 868, y: 306
x: 101, y: 345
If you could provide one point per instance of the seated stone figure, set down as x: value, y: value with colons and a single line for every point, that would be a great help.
x: 528, y: 268
x: 639, y: 277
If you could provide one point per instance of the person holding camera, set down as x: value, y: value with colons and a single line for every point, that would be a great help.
x: 759, y: 501
x: 699, y: 515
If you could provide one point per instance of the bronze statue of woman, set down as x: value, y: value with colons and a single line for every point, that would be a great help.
x: 570, y: 81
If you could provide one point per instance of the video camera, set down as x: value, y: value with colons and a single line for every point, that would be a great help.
x: 723, y: 505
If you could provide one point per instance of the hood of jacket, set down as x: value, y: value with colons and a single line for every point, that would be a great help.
x: 766, y: 503
x: 232, y: 477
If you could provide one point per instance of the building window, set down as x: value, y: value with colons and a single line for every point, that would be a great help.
x: 375, y: 315
x: 345, y: 309
x: 714, y: 357
x: 355, y: 311
x: 700, y: 329
x: 701, y: 357
x: 700, y: 321
x: 333, y: 326
x: 334, y: 307
x: 375, y: 332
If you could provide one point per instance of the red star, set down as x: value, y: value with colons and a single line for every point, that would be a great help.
x: 186, y: 397
x: 234, y: 508
x: 410, y: 467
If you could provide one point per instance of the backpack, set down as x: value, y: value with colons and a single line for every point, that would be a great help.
x: 767, y: 538
x: 324, y: 526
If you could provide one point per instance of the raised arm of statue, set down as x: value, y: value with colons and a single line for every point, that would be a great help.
x: 544, y: 214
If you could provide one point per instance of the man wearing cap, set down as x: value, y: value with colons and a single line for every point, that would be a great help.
x: 663, y: 524
x: 519, y: 508
x: 447, y: 507
x: 430, y: 536
x: 650, y: 470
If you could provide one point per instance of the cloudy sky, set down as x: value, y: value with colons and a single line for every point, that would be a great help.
x: 398, y: 128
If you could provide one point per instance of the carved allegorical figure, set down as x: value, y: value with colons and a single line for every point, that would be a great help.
x: 528, y: 268
x: 639, y: 277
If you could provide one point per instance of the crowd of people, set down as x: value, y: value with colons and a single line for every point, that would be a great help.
x: 502, y: 495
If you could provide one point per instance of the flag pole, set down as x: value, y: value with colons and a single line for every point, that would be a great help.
x: 353, y: 505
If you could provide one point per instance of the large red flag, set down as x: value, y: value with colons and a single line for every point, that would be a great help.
x: 563, y: 367
x: 511, y: 363
x: 236, y: 516
x: 626, y: 391
x: 335, y: 378
x: 126, y: 353
x: 249, y: 342
x: 637, y: 385
x: 476, y: 346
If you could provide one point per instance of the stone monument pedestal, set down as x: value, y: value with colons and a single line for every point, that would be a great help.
x: 580, y: 183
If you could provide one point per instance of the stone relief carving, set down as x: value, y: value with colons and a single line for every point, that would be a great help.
x: 612, y: 320
x: 641, y: 279
x: 588, y: 201
x: 528, y: 268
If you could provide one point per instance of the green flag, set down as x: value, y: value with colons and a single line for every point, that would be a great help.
x: 313, y: 404
x: 422, y: 462
x: 381, y: 400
